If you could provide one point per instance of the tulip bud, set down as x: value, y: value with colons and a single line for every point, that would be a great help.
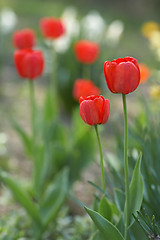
x: 29, y: 63
x: 86, y: 51
x: 94, y: 109
x: 122, y: 75
x: 52, y: 28
x: 24, y: 38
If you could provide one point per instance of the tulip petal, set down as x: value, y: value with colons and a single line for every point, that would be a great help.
x: 33, y: 65
x: 106, y: 111
x: 109, y: 68
x: 18, y: 60
x: 99, y: 101
x: 126, y: 77
x: 89, y: 112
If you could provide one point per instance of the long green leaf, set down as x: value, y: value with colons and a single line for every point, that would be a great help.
x: 119, y: 199
x: 105, y: 208
x: 54, y: 197
x: 96, y: 236
x: 22, y: 197
x: 135, y: 191
x: 26, y: 140
x: 106, y: 228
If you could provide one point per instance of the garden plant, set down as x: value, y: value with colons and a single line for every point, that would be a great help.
x: 64, y: 136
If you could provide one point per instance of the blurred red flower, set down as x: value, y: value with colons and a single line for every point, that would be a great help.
x: 144, y: 73
x: 122, y: 75
x: 24, y: 38
x: 86, y: 51
x: 29, y: 63
x: 94, y: 109
x: 52, y: 28
x: 84, y: 87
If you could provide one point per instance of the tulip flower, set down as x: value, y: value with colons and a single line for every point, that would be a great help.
x: 94, y: 109
x: 52, y: 28
x: 122, y: 75
x: 144, y: 73
x: 24, y: 38
x: 29, y: 63
x: 86, y: 51
x: 84, y: 87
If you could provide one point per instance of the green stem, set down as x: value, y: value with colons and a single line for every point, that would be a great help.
x: 126, y: 164
x: 53, y: 76
x: 33, y: 109
x: 101, y: 159
x: 33, y: 129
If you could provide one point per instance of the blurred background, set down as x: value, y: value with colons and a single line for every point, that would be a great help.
x: 121, y: 28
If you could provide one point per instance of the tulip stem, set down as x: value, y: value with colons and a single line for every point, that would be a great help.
x: 53, y: 77
x: 101, y: 159
x: 33, y: 129
x: 126, y: 164
x: 33, y: 108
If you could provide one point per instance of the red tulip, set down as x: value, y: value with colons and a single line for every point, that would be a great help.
x: 24, y: 38
x: 84, y: 87
x: 94, y: 109
x: 122, y: 75
x: 144, y: 73
x: 29, y: 63
x: 86, y: 51
x: 52, y: 28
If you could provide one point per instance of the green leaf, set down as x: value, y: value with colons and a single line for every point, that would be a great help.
x: 54, y: 197
x: 99, y: 189
x: 138, y: 232
x: 119, y: 199
x: 96, y: 236
x: 50, y: 108
x: 106, y: 228
x: 22, y: 197
x: 26, y: 140
x: 105, y: 209
x: 135, y: 191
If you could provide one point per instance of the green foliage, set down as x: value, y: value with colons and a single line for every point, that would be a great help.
x: 15, y: 225
x: 119, y: 199
x: 106, y: 228
x: 135, y: 191
x: 105, y: 209
x: 22, y: 197
x: 44, y: 210
x: 54, y: 197
x: 145, y: 136
x: 149, y: 226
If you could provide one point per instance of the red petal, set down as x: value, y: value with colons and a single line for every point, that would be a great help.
x: 89, y: 112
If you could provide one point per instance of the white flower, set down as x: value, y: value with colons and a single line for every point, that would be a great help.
x: 93, y: 26
x: 69, y: 18
x: 114, y: 32
x: 8, y: 20
x: 62, y: 44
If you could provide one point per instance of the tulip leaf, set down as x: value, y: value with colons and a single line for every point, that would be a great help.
x: 22, y: 197
x: 50, y: 107
x: 135, y: 191
x: 106, y: 228
x: 105, y: 208
x: 26, y: 140
x: 54, y: 197
x: 119, y: 199
x: 97, y: 236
